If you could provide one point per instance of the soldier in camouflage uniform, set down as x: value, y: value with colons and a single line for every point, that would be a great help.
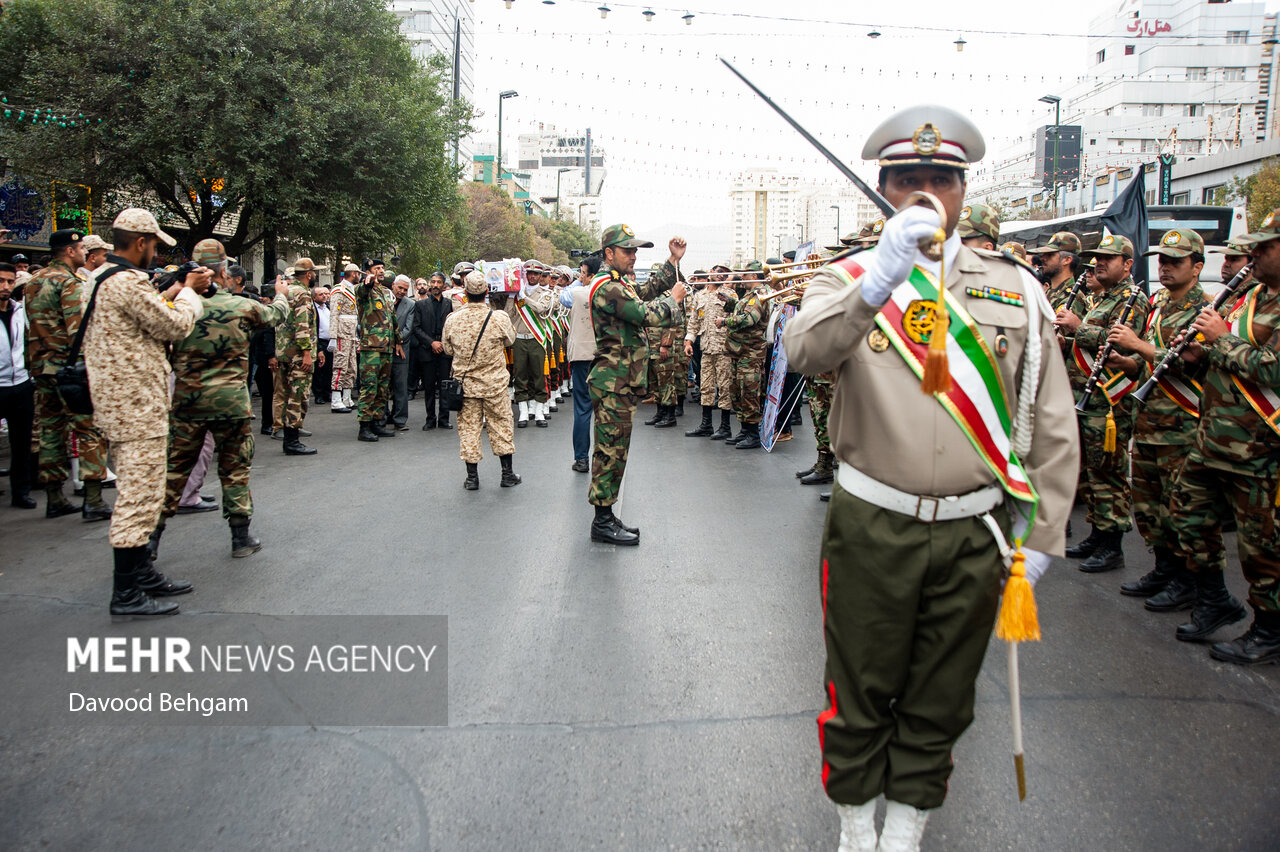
x: 1235, y: 457
x: 821, y: 389
x: 375, y: 304
x: 1109, y: 409
x: 211, y: 396
x: 344, y: 340
x: 296, y: 346
x: 54, y: 298
x: 620, y: 311
x: 979, y: 227
x: 1059, y: 264
x: 745, y: 322
x: 1165, y: 427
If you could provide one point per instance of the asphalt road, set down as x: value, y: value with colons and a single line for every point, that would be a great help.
x: 659, y: 697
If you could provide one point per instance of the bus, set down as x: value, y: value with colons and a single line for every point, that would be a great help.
x: 1217, y: 225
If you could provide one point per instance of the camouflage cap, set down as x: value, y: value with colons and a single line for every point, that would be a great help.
x: 978, y: 220
x: 1180, y: 242
x: 1231, y: 250
x: 1267, y: 231
x: 1017, y: 248
x: 621, y: 236
x: 870, y: 235
x: 93, y: 242
x: 475, y: 283
x: 1061, y: 241
x: 208, y: 252
x: 1114, y: 244
x: 64, y: 237
x: 306, y: 264
x: 139, y: 221
x: 755, y: 266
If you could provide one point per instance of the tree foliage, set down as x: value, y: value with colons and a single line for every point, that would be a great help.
x: 309, y: 118
x: 1259, y: 192
x: 499, y: 229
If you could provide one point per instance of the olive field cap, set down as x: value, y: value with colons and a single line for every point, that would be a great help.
x: 1267, y: 231
x: 1180, y: 242
x: 1231, y: 250
x: 621, y: 236
x: 928, y: 135
x: 139, y: 221
x: 1061, y: 241
x: 1113, y: 244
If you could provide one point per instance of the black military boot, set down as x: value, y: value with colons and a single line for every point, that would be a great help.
x: 156, y: 584
x: 801, y: 474
x: 823, y: 472
x: 1108, y: 556
x: 56, y: 505
x: 243, y: 542
x: 127, y: 600
x: 657, y: 415
x: 724, y: 431
x: 606, y: 529
x: 1168, y: 562
x: 510, y: 479
x: 679, y: 412
x: 1259, y: 644
x: 1214, y: 608
x: 752, y: 439
x: 379, y: 431
x: 1179, y: 593
x: 94, y: 508
x: 668, y: 417
x: 703, y: 429
x: 1085, y: 548
x: 737, y: 439
x: 366, y: 431
x: 618, y: 523
x: 153, y: 542
x: 472, y: 482
x: 293, y: 446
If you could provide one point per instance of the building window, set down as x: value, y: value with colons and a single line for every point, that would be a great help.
x: 1093, y: 141
x: 1150, y: 146
x: 1151, y: 197
x: 1197, y: 73
x: 1233, y: 75
x: 1193, y: 109
x: 1237, y: 36
x: 1207, y: 194
x: 1100, y: 56
x: 1128, y: 50
x: 1192, y: 146
x: 1153, y: 109
x: 1181, y: 198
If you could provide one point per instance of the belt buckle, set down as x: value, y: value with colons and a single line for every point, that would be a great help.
x: 932, y: 505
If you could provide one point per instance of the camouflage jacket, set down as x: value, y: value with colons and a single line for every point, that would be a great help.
x: 343, y: 320
x: 1232, y: 435
x: 53, y: 302
x: 620, y: 312
x: 1161, y: 421
x: 1091, y: 336
x: 704, y: 310
x: 298, y: 332
x: 1057, y: 296
x: 211, y: 364
x: 376, y: 307
x: 485, y: 374
x: 747, y: 322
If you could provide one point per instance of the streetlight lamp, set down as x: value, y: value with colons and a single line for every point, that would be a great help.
x: 502, y: 96
x: 836, y: 207
x: 562, y: 171
x: 1057, y: 134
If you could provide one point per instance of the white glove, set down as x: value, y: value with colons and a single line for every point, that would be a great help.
x: 333, y: 344
x: 1035, y: 565
x: 895, y: 254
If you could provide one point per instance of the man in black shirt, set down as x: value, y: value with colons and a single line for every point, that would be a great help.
x: 433, y: 364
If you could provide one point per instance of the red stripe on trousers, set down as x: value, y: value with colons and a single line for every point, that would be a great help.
x: 828, y: 714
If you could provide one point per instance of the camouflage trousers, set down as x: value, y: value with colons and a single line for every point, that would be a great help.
x: 613, y: 414
x: 493, y: 415
x: 1154, y: 474
x: 233, y: 449
x: 140, y: 481
x: 1108, y: 495
x: 748, y: 378
x: 821, y: 389
x: 671, y: 373
x: 375, y: 385
x: 57, y: 426
x: 344, y: 364
x: 1198, y: 498
x: 717, y: 374
x: 529, y: 368
x: 293, y: 386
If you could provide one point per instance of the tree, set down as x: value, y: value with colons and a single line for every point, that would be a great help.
x: 304, y: 117
x: 1259, y: 192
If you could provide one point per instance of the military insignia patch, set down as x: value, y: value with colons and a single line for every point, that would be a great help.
x: 1271, y: 218
x: 878, y: 340
x: 878, y: 226
x: 1107, y: 241
x: 917, y: 320
x: 926, y: 140
x: 378, y: 305
x: 1172, y: 238
x: 626, y: 229
x: 1002, y: 345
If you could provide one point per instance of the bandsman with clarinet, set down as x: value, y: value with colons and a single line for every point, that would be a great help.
x: 1059, y: 264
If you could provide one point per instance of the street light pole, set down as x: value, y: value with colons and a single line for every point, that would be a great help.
x: 502, y: 96
x: 1057, y: 134
x: 562, y: 171
x: 836, y: 207
x: 580, y: 206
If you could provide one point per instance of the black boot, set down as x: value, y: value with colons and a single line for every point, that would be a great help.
x: 243, y: 542
x: 657, y: 416
x: 1086, y: 547
x: 823, y: 472
x: 509, y: 478
x: 153, y: 542
x: 825, y: 496
x: 56, y: 505
x: 366, y: 431
x: 1153, y: 582
x: 680, y: 406
x: 751, y: 441
x: 1108, y: 556
x: 704, y: 428
x: 293, y: 446
x: 736, y: 439
x: 1179, y: 593
x: 801, y: 474
x: 667, y: 417
x: 127, y: 600
x: 429, y: 425
x: 151, y: 581
x: 724, y: 431
x: 472, y: 482
x: 608, y: 530
x: 1214, y: 608
x: 1259, y: 644
x: 380, y: 432
x: 94, y: 508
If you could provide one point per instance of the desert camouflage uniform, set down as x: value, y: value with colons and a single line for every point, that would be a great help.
x: 484, y: 386
x: 129, y: 375
x: 717, y: 365
x: 620, y: 312
x: 1108, y: 494
x: 377, y: 344
x: 54, y: 300
x: 746, y: 326
x: 294, y: 337
x: 211, y: 394
x: 344, y: 326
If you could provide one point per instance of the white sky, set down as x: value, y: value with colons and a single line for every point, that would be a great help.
x: 676, y: 126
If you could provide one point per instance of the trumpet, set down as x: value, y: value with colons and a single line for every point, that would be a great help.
x: 795, y: 290
x: 776, y: 278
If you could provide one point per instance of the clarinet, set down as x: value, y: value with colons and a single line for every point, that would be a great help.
x: 1234, y: 288
x: 1075, y: 293
x: 1105, y: 352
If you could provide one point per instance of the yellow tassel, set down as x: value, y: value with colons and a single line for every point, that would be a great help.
x: 1018, y: 621
x: 1278, y: 495
x: 1109, y: 441
x: 546, y: 366
x: 937, y: 371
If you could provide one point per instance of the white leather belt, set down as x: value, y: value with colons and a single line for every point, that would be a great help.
x: 524, y: 337
x: 927, y: 509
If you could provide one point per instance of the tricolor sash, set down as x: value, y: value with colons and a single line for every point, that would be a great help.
x: 535, y: 326
x: 1264, y: 400
x: 977, y: 401
x: 1115, y: 385
x: 1185, y: 396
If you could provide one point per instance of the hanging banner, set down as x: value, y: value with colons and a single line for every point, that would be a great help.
x: 774, y: 402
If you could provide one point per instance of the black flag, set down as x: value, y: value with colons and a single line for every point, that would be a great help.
x: 1127, y: 217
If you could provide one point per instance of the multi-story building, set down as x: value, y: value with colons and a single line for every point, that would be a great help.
x: 566, y: 166
x: 771, y: 213
x: 445, y: 27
